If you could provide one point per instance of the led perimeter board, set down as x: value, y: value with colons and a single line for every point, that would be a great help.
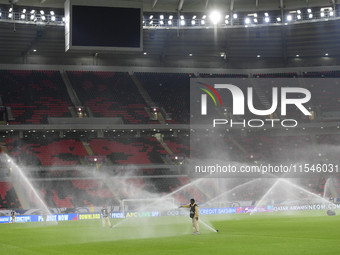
x: 103, y: 25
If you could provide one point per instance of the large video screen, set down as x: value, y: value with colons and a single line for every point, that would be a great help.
x: 105, y: 26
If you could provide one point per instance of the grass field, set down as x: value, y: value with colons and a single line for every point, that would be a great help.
x: 268, y: 233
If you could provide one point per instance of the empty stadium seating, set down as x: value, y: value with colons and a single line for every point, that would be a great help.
x: 212, y: 75
x: 110, y: 94
x: 276, y: 75
x: 73, y: 193
x: 34, y: 95
x: 140, y: 150
x: 8, y: 196
x: 46, y: 152
x: 171, y: 91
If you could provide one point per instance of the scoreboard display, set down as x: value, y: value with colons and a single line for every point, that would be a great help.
x: 103, y: 25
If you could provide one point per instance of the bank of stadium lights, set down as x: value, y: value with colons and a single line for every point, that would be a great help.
x: 182, y: 20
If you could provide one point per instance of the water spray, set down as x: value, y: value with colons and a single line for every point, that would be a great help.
x: 162, y: 198
x: 16, y: 167
x: 215, y: 230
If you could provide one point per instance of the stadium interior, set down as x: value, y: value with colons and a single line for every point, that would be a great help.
x: 71, y: 119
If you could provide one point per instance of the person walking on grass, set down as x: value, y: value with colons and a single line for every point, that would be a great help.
x: 194, y: 212
x: 105, y: 214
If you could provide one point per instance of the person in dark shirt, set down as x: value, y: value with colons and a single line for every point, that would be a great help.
x: 105, y: 214
x: 194, y: 212
x: 13, y: 216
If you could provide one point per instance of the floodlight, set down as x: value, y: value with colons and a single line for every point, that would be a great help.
x: 310, y: 16
x: 161, y: 22
x: 266, y: 19
x: 331, y: 13
x: 258, y: 56
x: 247, y: 20
x: 298, y: 12
x: 151, y: 16
x: 309, y: 10
x: 289, y: 17
x: 169, y: 22
x: 161, y: 16
x: 298, y: 16
x: 266, y: 14
x: 194, y: 17
x: 42, y: 12
x: 182, y: 22
x: 255, y: 20
x: 53, y: 18
x: 278, y: 19
x: 322, y: 14
x: 52, y: 12
x: 255, y: 15
x: 10, y: 15
x: 170, y: 17
x: 24, y: 11
x: 43, y: 17
x: 182, y: 17
x: 23, y: 16
x: 202, y: 22
x: 10, y: 9
x: 193, y: 22
x: 235, y: 16
x: 204, y: 16
x: 227, y: 21
x: 215, y: 17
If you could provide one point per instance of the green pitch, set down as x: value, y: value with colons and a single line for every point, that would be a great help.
x: 268, y: 233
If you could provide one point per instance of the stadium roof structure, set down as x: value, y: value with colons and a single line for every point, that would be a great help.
x: 196, y: 5
x: 237, y: 44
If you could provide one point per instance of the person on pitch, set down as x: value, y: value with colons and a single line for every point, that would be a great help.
x: 13, y: 216
x: 44, y: 217
x: 194, y: 212
x: 105, y: 214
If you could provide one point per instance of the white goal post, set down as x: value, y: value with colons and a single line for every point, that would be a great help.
x: 147, y: 203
